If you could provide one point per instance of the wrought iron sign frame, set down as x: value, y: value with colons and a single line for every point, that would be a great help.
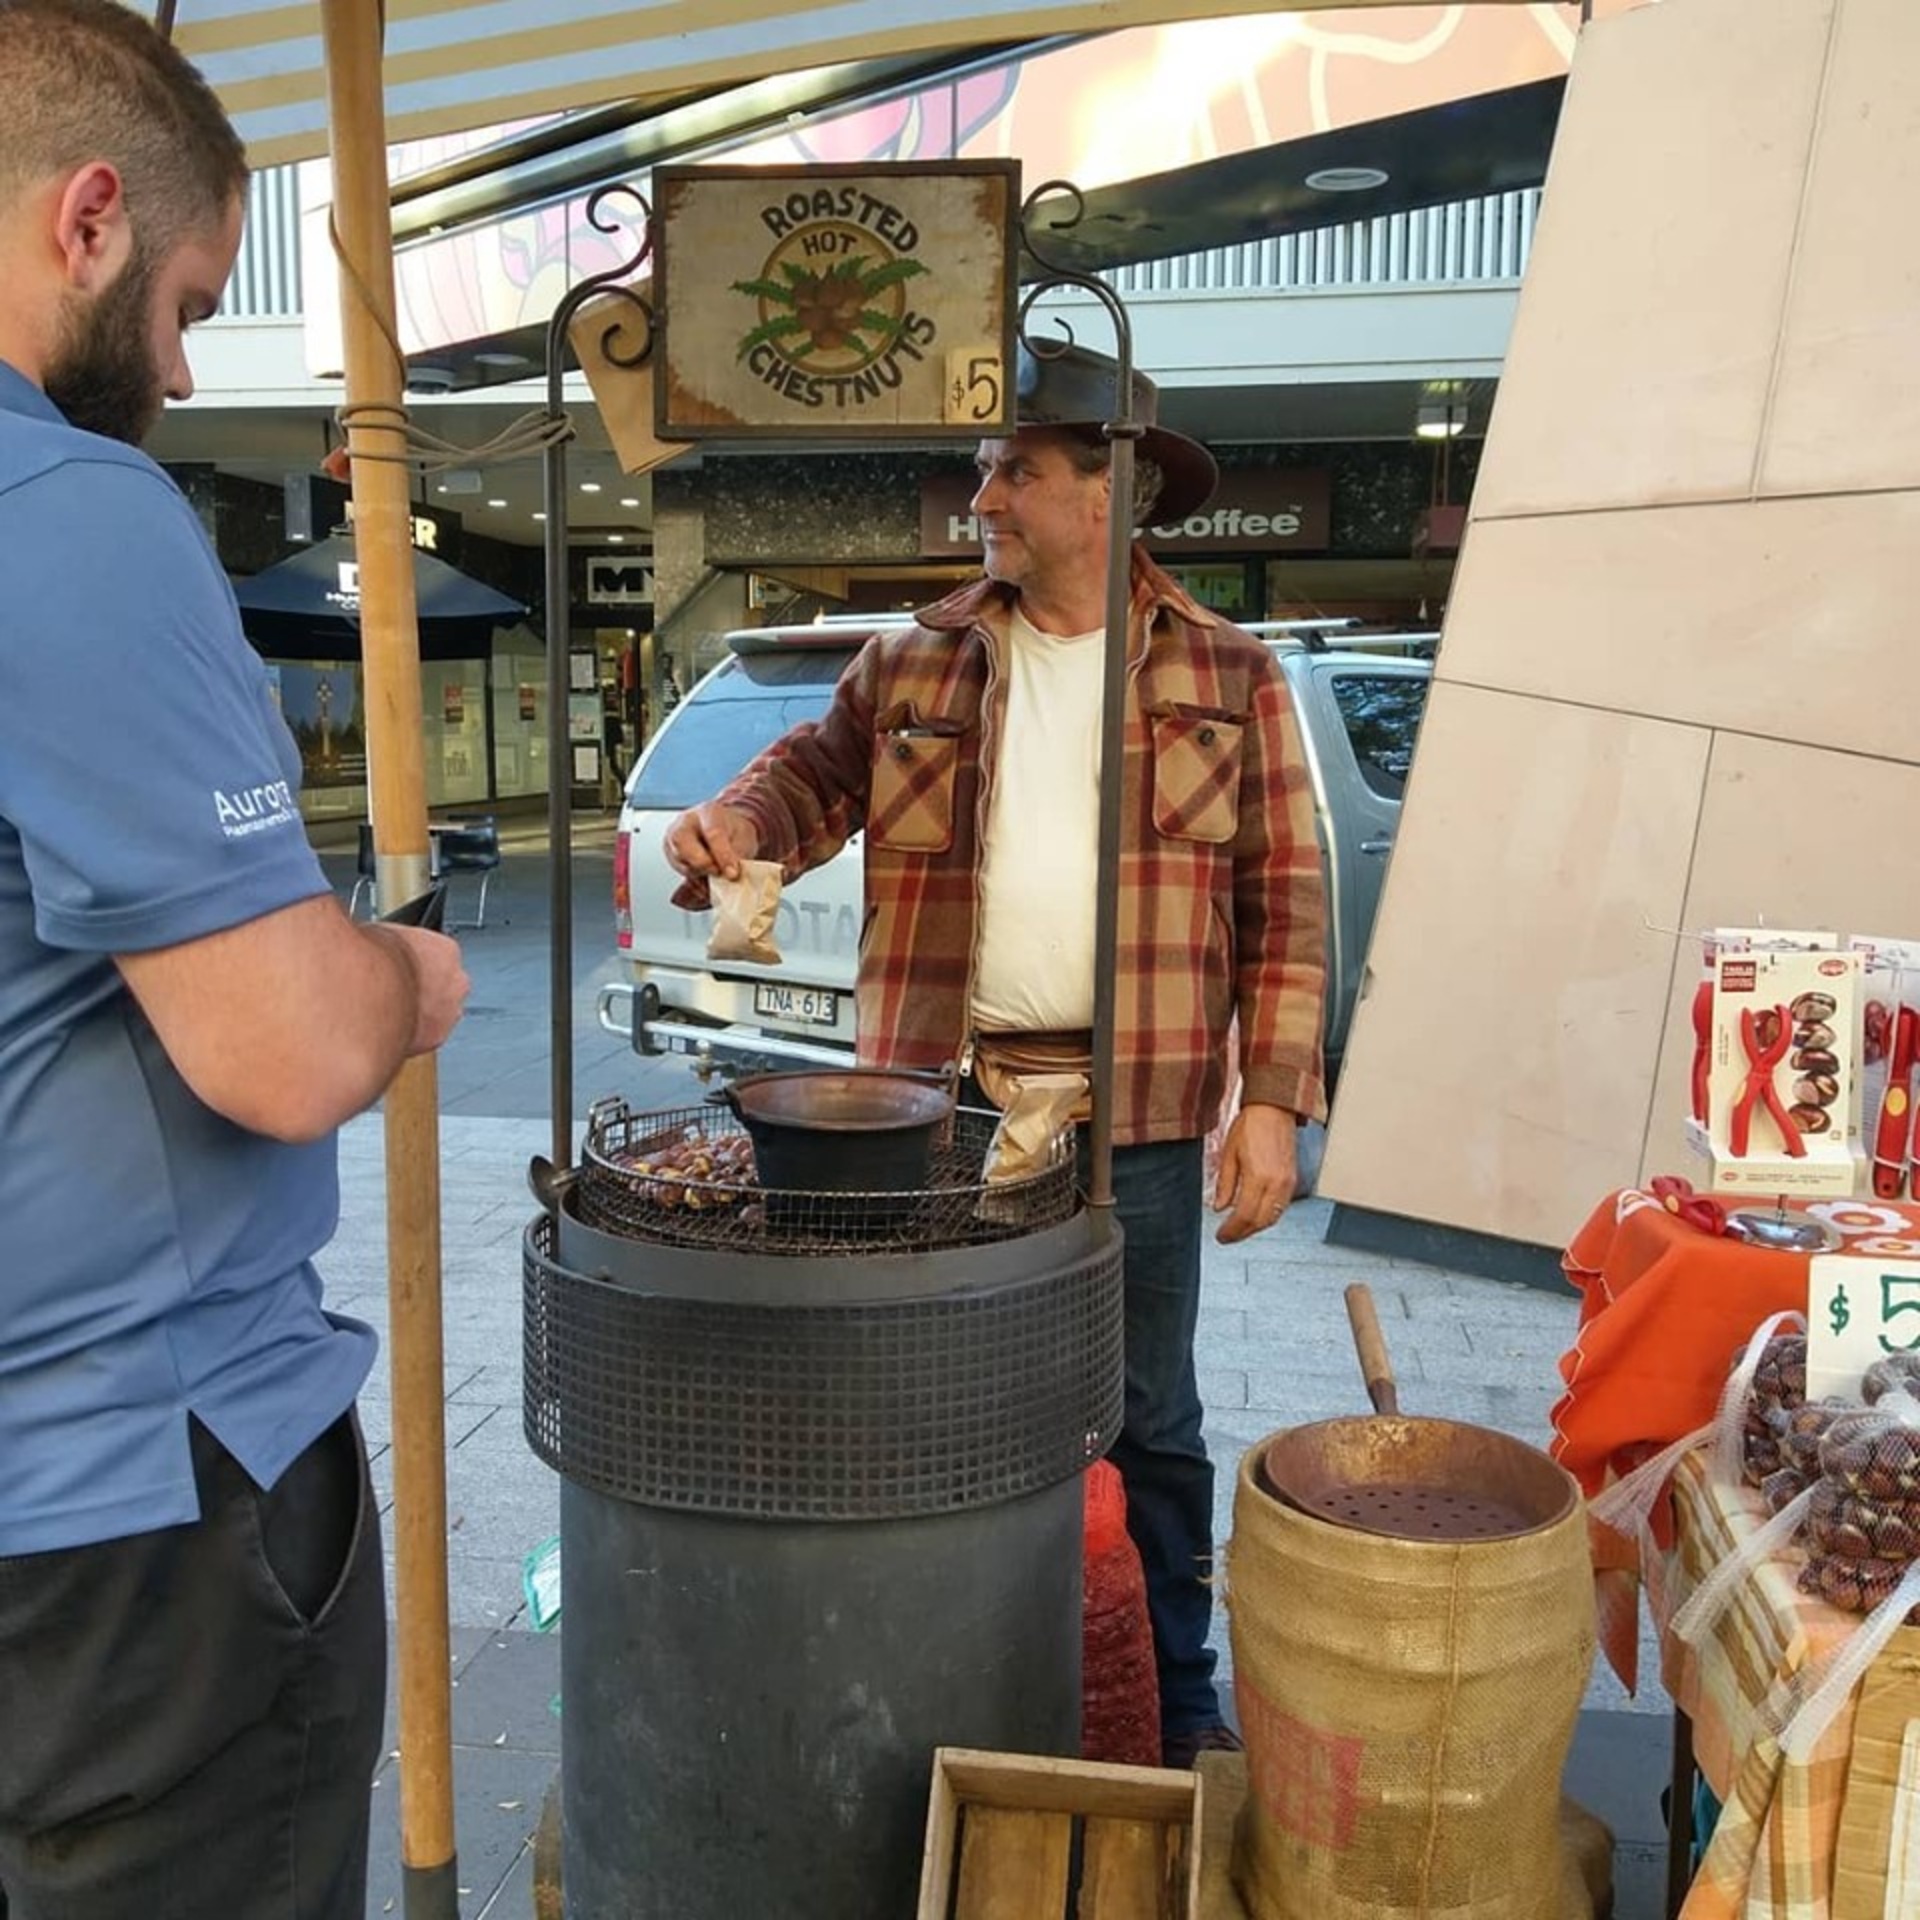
x: 1038, y: 219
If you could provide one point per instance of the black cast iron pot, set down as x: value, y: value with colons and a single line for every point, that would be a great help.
x: 854, y: 1130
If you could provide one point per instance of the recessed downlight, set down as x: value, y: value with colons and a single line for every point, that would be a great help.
x: 1346, y: 179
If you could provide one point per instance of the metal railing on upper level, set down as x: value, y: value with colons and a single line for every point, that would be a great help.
x: 266, y: 277
x: 1466, y: 240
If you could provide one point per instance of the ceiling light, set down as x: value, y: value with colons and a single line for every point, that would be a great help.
x: 617, y: 539
x: 496, y: 503
x: 589, y: 486
x: 538, y: 515
x: 629, y: 503
x: 1438, y: 420
x: 1346, y: 179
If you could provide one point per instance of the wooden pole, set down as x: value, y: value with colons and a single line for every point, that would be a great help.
x: 390, y: 640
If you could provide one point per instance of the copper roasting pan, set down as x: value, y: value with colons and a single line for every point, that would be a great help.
x: 1412, y: 1479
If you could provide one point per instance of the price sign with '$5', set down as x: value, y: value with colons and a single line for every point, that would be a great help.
x: 1858, y: 1311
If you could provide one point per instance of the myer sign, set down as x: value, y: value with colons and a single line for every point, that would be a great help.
x: 619, y: 580
x: 1255, y: 510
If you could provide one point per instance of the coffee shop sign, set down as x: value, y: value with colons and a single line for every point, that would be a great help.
x: 1255, y: 511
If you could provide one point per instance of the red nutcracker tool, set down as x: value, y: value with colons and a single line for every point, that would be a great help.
x: 1702, y: 1044
x: 1896, y: 1138
x: 1765, y: 1035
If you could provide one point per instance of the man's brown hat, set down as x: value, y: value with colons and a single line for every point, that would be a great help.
x: 1076, y: 389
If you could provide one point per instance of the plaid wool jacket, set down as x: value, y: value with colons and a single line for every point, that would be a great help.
x: 1221, y: 907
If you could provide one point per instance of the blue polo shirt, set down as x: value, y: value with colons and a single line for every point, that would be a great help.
x: 156, y: 1260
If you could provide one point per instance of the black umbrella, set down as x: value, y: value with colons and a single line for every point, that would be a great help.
x: 308, y: 607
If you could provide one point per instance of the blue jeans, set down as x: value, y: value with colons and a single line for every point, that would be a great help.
x: 1161, y: 1453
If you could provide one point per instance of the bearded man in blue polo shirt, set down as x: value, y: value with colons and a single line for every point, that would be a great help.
x: 192, y: 1620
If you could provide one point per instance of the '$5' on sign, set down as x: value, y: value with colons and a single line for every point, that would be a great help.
x: 1858, y: 1311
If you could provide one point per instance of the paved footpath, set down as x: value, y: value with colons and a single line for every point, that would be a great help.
x: 1273, y: 1351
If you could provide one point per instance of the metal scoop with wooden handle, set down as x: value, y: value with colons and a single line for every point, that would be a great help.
x: 1439, y: 1481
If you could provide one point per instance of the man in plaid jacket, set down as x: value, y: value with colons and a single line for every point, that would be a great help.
x: 967, y: 748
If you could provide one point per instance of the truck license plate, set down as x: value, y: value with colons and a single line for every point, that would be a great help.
x: 813, y: 1006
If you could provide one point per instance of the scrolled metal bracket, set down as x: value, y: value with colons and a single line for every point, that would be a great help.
x: 616, y: 281
x: 1036, y: 221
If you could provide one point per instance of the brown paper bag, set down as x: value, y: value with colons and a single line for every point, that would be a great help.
x: 1040, y: 1108
x: 744, y: 912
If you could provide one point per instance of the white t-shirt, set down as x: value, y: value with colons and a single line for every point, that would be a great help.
x: 1038, y: 876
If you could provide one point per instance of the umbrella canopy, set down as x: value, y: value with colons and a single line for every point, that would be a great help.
x: 456, y: 64
x: 308, y: 607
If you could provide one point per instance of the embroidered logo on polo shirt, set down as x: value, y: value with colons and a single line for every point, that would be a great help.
x: 255, y: 809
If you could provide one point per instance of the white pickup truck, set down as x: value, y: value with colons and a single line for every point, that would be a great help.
x: 1359, y: 712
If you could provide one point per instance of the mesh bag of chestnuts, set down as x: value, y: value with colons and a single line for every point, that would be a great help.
x: 1863, y: 1530
x: 1764, y: 1433
x: 1863, y: 1544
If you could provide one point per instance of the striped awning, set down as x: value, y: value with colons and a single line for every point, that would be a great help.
x: 452, y: 65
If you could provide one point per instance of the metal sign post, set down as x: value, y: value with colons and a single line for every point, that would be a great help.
x: 1122, y: 430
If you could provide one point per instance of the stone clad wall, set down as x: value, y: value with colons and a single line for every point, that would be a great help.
x: 1675, y: 685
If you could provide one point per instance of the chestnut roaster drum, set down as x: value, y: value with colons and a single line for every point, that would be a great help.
x: 821, y: 1458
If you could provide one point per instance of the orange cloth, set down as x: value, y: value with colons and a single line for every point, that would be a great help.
x: 1664, y: 1310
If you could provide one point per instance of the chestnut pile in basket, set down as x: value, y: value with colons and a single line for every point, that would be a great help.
x: 695, y: 1173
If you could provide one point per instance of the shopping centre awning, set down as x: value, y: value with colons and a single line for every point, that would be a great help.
x: 451, y: 67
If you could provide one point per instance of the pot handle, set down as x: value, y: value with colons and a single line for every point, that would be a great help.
x: 549, y: 1183
x: 1376, y: 1367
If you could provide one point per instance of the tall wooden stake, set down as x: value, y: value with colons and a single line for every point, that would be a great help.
x: 390, y: 640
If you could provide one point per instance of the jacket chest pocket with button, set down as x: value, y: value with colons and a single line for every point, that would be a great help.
x: 1196, y: 772
x: 910, y: 804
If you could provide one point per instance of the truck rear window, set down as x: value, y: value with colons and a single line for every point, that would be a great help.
x: 729, y: 718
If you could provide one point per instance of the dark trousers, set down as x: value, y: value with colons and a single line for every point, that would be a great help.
x: 190, y: 1719
x: 1160, y: 1453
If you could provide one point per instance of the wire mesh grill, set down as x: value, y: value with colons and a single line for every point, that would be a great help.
x: 834, y: 1412
x: 683, y: 1177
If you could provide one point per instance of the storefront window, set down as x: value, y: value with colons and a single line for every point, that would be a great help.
x: 453, y: 697
x: 519, y: 714
x: 323, y: 702
x: 1220, y: 587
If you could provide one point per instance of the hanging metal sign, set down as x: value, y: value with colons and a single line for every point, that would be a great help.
x: 835, y: 301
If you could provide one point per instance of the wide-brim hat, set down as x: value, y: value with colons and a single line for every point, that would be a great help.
x: 1076, y: 389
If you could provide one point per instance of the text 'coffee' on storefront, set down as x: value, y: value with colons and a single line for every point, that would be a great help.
x: 1256, y: 510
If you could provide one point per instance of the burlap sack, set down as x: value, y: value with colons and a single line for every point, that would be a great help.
x: 1407, y: 1708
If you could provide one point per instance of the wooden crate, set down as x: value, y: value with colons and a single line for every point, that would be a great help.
x: 1016, y: 1837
